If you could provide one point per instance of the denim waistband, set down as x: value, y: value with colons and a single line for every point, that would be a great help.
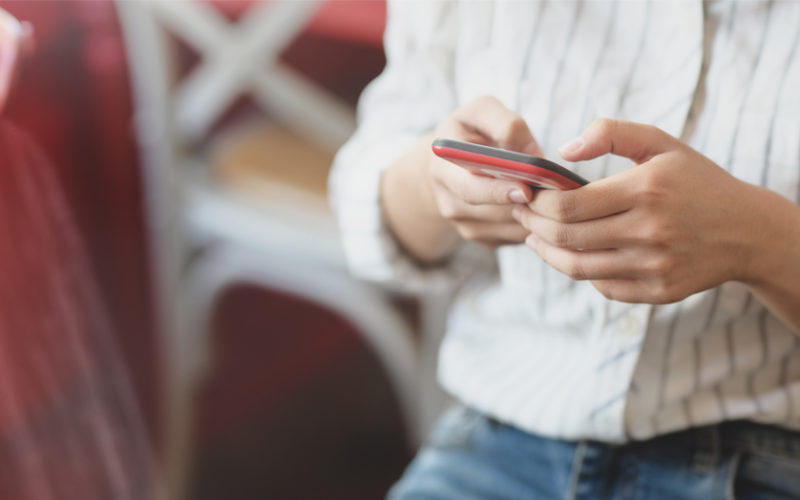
x: 738, y: 436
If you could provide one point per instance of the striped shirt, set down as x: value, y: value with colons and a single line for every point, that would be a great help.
x: 525, y: 343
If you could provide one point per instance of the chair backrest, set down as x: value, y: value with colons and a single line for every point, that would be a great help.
x: 237, y: 58
x: 173, y: 113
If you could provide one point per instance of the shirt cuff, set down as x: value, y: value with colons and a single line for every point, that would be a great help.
x: 371, y: 250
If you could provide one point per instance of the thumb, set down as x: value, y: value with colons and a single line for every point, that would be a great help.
x: 632, y: 140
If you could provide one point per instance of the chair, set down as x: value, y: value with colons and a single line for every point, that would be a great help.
x: 207, y: 239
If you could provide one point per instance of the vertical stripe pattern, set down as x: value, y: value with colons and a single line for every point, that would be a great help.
x: 525, y: 343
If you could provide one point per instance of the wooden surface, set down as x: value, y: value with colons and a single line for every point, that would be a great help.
x: 271, y: 164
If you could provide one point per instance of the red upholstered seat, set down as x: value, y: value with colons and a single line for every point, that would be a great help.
x: 70, y: 423
x: 360, y: 21
x: 70, y: 426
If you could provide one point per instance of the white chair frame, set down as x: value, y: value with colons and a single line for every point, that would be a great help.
x: 183, y: 214
x: 227, y: 69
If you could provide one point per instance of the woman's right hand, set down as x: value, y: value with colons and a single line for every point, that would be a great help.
x: 431, y: 204
x: 479, y: 208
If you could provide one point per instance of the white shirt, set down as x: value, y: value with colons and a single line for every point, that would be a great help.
x: 525, y: 343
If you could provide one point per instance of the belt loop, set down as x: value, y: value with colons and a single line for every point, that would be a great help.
x: 707, y: 454
x: 730, y: 481
x: 577, y: 465
x: 716, y: 444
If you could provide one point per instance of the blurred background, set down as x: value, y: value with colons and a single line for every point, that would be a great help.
x: 176, y: 318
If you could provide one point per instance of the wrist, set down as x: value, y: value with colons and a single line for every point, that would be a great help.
x: 423, y: 177
x: 773, y: 270
x: 772, y: 250
x: 410, y: 207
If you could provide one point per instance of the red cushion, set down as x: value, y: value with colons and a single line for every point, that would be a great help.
x: 356, y: 21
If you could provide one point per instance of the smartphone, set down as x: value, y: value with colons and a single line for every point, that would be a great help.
x: 499, y: 163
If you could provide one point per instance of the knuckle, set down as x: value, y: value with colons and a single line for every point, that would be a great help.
x: 653, y: 185
x: 666, y: 288
x: 524, y: 220
x: 656, y: 232
x: 499, y: 193
x: 661, y: 267
x: 485, y: 100
x: 653, y: 130
x: 649, y: 232
x: 448, y: 209
x: 519, y: 235
x: 468, y: 232
x: 566, y: 208
x: 603, y: 127
x: 605, y: 289
x: 663, y: 292
x: 514, y: 128
x: 461, y: 192
x: 656, y: 187
x: 575, y: 270
x: 561, y: 236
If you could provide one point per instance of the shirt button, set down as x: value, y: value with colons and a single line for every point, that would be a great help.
x: 629, y: 324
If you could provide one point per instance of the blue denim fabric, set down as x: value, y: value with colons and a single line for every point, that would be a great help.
x: 472, y: 457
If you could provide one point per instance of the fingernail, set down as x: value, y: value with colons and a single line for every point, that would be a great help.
x: 516, y: 212
x: 571, y: 147
x: 517, y: 196
x: 531, y: 241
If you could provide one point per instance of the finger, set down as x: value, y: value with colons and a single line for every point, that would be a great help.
x: 633, y: 291
x: 598, y: 199
x: 477, y: 190
x: 587, y: 264
x: 636, y: 141
x: 458, y: 210
x: 600, y: 234
x: 492, y: 233
x: 500, y: 125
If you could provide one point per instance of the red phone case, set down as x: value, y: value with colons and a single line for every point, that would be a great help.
x: 508, y: 165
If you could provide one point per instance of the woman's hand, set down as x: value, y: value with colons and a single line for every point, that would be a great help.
x: 479, y: 208
x: 673, y: 225
x: 433, y: 204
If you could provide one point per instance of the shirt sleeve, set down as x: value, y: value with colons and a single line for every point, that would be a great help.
x: 412, y: 95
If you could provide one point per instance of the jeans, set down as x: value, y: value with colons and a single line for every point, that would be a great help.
x: 471, y: 456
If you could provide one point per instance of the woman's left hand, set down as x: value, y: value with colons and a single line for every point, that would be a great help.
x: 673, y: 225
